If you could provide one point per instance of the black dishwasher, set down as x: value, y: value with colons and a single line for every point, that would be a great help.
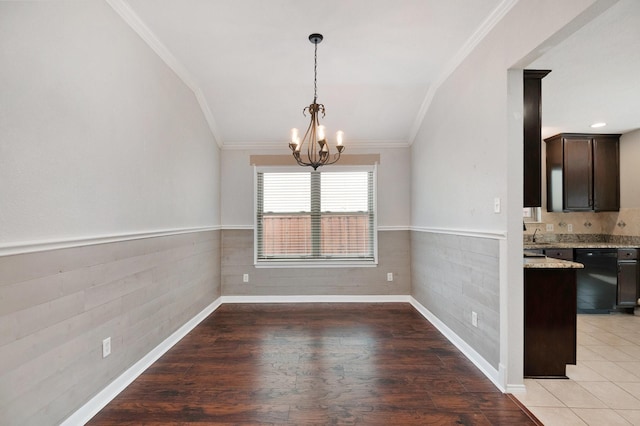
x: 597, y: 282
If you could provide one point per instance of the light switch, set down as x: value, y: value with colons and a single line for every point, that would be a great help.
x: 106, y: 347
x: 496, y: 205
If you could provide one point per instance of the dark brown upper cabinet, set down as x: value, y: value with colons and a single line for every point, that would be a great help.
x: 583, y: 172
x: 532, y: 122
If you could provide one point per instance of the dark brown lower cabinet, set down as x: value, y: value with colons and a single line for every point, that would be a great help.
x: 628, y: 278
x: 559, y: 253
x: 549, y: 321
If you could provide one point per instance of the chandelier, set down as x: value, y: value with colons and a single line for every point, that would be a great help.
x: 314, y: 141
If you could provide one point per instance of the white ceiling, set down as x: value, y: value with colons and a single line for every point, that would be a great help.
x: 595, y: 75
x: 251, y: 63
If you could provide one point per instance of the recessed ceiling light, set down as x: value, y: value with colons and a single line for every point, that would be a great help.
x: 596, y: 125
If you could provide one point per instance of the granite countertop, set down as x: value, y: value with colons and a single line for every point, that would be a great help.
x: 588, y: 241
x: 550, y: 263
x: 572, y: 241
x: 572, y: 245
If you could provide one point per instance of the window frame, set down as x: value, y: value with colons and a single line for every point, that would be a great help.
x: 320, y: 262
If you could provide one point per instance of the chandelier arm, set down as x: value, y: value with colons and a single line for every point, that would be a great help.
x: 308, y: 138
x: 301, y: 163
x: 336, y: 157
x: 314, y: 147
x: 311, y: 131
x: 308, y: 134
x: 321, y: 109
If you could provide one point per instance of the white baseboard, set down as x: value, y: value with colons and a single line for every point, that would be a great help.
x: 518, y: 389
x: 401, y: 298
x: 106, y: 395
x: 473, y: 356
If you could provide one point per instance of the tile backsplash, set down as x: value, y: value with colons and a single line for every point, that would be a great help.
x: 619, y: 226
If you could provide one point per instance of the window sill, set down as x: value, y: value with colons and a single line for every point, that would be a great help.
x: 306, y: 263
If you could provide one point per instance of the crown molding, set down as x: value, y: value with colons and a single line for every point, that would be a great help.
x: 479, y: 34
x: 122, y: 8
x: 208, y: 116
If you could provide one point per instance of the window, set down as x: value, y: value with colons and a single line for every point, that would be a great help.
x: 315, y: 216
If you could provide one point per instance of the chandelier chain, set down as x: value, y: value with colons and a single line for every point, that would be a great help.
x: 315, y: 73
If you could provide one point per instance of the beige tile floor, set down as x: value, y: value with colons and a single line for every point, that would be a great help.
x: 604, y: 385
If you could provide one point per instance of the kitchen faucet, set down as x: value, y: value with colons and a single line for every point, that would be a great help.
x: 534, y: 234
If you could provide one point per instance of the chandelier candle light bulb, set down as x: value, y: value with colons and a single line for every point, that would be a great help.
x: 321, y: 136
x: 317, y: 151
x: 295, y: 140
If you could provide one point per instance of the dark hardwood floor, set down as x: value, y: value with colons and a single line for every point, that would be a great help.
x: 302, y: 364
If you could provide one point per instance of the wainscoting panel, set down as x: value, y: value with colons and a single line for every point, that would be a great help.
x: 237, y: 259
x: 453, y: 275
x: 57, y: 306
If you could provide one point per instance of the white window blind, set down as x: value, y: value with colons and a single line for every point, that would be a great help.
x: 315, y: 215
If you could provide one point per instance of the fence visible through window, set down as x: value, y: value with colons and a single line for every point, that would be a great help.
x: 342, y: 234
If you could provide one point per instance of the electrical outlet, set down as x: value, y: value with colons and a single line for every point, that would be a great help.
x: 474, y: 318
x: 389, y: 276
x: 569, y: 228
x: 549, y: 227
x: 496, y: 205
x: 245, y: 278
x: 106, y: 347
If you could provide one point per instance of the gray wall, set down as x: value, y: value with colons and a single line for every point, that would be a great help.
x: 468, y: 151
x: 393, y: 185
x: 453, y: 275
x: 237, y: 259
x: 98, y: 136
x: 57, y: 307
x: 99, y: 140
